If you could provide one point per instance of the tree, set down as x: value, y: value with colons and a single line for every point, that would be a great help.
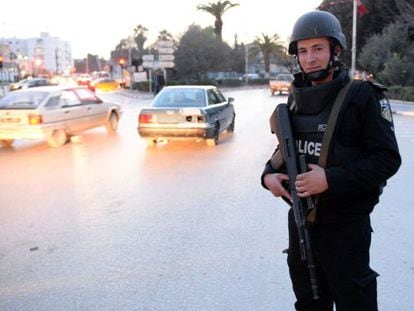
x: 388, y: 51
x: 217, y: 9
x: 140, y: 36
x: 399, y: 70
x: 380, y: 14
x: 199, y: 52
x: 267, y: 45
x: 164, y: 35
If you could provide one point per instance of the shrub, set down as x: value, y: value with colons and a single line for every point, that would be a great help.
x: 401, y: 93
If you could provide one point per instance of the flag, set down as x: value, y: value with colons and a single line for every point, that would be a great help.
x: 361, y: 8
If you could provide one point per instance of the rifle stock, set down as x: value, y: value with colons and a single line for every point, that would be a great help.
x: 281, y: 126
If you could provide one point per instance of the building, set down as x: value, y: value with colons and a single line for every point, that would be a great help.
x: 45, y: 55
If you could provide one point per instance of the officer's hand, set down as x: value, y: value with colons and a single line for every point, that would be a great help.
x: 312, y: 182
x: 274, y: 183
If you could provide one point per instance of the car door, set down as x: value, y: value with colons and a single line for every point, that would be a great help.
x: 219, y: 108
x: 97, y: 111
x: 74, y: 113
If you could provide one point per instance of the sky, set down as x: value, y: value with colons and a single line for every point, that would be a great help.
x: 96, y: 27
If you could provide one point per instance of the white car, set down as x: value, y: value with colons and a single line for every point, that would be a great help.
x: 54, y: 113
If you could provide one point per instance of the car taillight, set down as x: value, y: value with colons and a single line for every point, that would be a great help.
x: 147, y: 118
x: 35, y: 119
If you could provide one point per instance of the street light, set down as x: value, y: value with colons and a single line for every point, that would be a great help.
x: 38, y: 62
x: 122, y: 64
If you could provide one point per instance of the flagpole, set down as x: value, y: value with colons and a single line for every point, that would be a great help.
x: 354, y: 26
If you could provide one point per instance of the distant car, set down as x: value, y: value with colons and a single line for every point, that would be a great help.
x: 187, y: 112
x: 84, y: 79
x: 28, y: 83
x: 250, y: 76
x: 54, y: 113
x: 282, y: 83
x: 104, y: 84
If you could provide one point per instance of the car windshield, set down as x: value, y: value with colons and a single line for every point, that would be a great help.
x: 22, y: 100
x: 284, y: 78
x: 180, y: 97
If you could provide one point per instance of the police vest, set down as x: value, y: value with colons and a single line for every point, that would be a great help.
x: 308, y: 130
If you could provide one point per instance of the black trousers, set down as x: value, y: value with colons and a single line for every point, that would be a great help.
x: 341, y: 253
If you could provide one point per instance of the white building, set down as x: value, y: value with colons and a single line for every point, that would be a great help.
x: 34, y: 56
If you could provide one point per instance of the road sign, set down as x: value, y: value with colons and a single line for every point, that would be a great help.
x: 165, y: 44
x: 147, y: 64
x: 140, y: 76
x: 166, y: 64
x: 148, y: 57
x: 165, y: 50
x: 166, y: 57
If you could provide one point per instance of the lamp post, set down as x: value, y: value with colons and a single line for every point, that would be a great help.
x: 122, y: 64
x: 38, y: 62
x: 246, y: 60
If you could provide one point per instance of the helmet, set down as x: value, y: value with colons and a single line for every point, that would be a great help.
x: 316, y: 24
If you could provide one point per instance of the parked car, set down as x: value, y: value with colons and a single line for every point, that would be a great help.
x: 28, y: 83
x: 282, y: 83
x: 250, y: 76
x: 104, y: 84
x: 54, y: 113
x: 187, y: 112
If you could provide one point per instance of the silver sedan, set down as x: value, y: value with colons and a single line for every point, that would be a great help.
x: 54, y: 113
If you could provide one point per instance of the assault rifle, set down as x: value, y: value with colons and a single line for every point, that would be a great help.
x: 287, y: 154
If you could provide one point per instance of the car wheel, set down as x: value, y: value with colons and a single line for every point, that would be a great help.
x: 214, y: 141
x: 230, y: 128
x: 58, y: 138
x: 6, y: 142
x: 112, y: 123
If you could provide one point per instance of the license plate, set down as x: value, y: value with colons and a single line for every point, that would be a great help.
x: 10, y: 120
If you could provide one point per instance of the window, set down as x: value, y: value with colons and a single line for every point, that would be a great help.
x: 70, y: 99
x: 213, y: 98
x: 53, y: 102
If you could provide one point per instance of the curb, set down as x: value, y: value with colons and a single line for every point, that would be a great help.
x: 403, y: 113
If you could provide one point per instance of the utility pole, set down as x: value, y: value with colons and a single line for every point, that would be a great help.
x: 246, y: 60
x: 354, y: 27
x: 57, y: 60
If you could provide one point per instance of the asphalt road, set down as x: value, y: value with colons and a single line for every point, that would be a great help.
x: 105, y: 223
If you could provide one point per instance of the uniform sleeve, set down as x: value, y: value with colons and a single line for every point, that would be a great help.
x: 379, y: 159
x: 268, y: 169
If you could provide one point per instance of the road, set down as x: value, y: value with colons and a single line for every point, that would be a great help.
x: 105, y: 223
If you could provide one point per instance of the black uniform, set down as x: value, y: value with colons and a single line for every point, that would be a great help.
x: 363, y: 155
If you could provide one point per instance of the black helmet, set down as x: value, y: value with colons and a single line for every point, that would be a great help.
x: 316, y: 24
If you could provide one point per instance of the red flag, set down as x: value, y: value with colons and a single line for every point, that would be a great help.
x: 362, y: 9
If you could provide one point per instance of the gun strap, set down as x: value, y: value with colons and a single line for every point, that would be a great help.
x: 333, y: 117
x: 326, y: 140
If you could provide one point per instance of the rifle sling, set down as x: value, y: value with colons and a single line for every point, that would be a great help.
x: 327, y: 137
x: 333, y: 117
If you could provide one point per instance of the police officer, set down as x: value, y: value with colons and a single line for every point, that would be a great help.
x: 363, y: 154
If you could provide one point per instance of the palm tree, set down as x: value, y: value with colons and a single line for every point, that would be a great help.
x: 140, y: 36
x: 217, y: 9
x: 164, y: 35
x: 267, y: 45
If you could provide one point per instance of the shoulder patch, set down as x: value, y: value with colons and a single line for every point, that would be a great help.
x: 386, y: 112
